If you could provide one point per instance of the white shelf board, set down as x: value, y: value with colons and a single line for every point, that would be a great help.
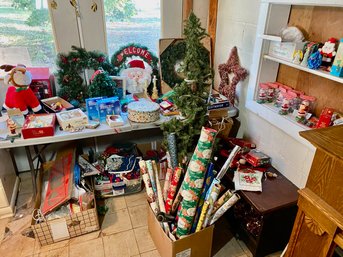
x: 319, y: 73
x: 286, y: 123
x: 271, y: 37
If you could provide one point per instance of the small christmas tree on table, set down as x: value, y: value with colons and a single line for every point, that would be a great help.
x: 103, y: 85
x: 191, y: 95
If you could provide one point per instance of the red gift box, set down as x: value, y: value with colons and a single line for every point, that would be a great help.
x: 325, y: 118
x: 39, y: 125
x: 257, y: 158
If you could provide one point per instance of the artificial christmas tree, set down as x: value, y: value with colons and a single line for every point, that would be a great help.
x: 191, y: 95
x: 103, y: 85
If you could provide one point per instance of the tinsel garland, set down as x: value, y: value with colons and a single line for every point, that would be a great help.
x: 121, y: 64
x: 72, y: 65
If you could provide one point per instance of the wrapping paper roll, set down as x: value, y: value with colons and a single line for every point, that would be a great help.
x: 152, y: 175
x: 150, y: 193
x: 228, y: 161
x: 167, y: 181
x: 171, y: 139
x: 176, y: 202
x: 211, y: 199
x: 227, y: 205
x: 194, y: 179
x: 173, y: 188
x: 226, y: 196
x: 159, y: 189
x: 202, y: 216
x: 142, y: 166
x: 160, y: 196
x: 210, y: 174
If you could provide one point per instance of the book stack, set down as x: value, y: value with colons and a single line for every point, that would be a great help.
x: 218, y: 105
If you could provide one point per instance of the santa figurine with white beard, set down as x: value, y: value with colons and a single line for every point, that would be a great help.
x: 138, y: 76
x: 328, y: 52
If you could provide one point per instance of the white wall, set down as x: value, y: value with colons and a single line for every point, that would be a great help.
x: 236, y: 26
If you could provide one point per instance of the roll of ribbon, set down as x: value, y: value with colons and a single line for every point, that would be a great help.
x: 173, y: 188
x: 167, y: 181
x: 194, y: 180
x: 171, y: 139
x: 227, y: 205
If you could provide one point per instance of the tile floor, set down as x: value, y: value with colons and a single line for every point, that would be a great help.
x: 124, y: 232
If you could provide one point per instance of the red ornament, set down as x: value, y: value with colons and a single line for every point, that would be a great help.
x: 76, y: 59
x: 64, y: 59
x: 101, y: 59
x: 232, y: 66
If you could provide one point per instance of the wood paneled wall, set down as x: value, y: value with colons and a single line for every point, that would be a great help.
x: 318, y: 24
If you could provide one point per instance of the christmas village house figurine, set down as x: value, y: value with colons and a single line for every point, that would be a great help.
x: 19, y: 95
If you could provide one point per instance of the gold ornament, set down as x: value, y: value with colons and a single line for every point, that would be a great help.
x: 94, y: 7
x: 76, y: 7
x: 53, y: 4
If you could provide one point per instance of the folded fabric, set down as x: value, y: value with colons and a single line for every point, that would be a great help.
x: 118, y: 164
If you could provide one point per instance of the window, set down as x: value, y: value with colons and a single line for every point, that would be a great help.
x: 132, y: 21
x: 25, y: 33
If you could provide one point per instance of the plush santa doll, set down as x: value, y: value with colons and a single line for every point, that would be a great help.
x: 19, y: 95
x: 138, y: 76
x: 328, y: 52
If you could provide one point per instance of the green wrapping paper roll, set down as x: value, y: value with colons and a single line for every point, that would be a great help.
x: 194, y: 180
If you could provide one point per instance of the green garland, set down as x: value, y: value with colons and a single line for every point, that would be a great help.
x: 71, y: 67
x: 119, y: 65
x: 173, y: 54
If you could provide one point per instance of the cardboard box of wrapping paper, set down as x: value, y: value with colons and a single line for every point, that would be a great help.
x: 198, y: 244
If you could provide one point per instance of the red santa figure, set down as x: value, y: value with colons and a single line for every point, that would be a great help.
x: 328, y: 52
x: 19, y: 95
x: 138, y: 76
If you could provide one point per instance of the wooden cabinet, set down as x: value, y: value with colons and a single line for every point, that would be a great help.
x: 9, y: 184
x: 319, y: 223
x: 264, y: 220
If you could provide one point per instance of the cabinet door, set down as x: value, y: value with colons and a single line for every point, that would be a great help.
x: 64, y: 25
x: 315, y: 227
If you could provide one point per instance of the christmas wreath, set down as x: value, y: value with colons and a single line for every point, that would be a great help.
x: 171, y: 60
x: 71, y: 68
x: 121, y: 59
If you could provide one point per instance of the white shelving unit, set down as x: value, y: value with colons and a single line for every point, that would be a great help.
x: 274, y: 15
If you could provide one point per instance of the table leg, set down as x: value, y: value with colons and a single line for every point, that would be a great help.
x: 10, y: 151
x: 32, y: 169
